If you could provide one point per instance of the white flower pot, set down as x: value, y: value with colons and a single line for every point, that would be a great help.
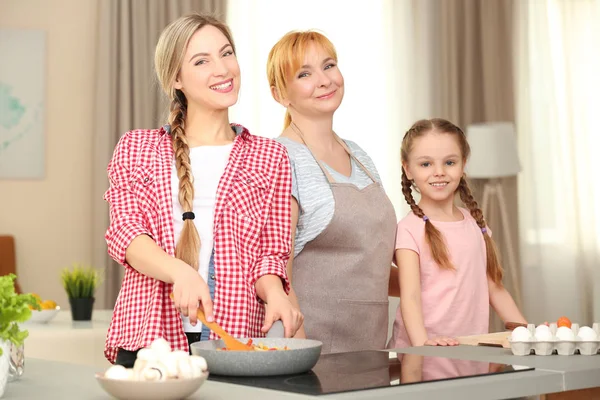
x: 4, y: 360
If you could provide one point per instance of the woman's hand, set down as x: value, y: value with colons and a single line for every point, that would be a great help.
x: 279, y: 307
x: 441, y: 341
x: 190, y: 291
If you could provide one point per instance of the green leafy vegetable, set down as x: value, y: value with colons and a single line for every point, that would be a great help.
x: 14, y: 308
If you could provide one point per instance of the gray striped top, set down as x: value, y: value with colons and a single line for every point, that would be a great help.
x: 312, y: 191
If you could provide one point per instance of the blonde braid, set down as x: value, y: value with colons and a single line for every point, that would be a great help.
x: 407, y: 192
x: 188, y: 246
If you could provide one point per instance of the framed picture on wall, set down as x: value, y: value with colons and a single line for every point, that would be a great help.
x: 22, y: 95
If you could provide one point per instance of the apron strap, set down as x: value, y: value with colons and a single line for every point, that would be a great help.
x: 344, y: 146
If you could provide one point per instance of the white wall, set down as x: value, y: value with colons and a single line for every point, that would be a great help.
x: 50, y: 218
x: 372, y: 113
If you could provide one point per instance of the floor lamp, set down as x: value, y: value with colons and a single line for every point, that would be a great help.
x: 494, y: 156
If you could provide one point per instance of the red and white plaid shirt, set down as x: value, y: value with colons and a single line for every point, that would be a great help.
x: 252, y: 235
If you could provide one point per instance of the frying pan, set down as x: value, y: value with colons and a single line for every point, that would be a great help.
x: 302, y: 356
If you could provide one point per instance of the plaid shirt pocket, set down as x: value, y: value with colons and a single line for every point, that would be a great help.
x: 142, y: 184
x: 247, y: 196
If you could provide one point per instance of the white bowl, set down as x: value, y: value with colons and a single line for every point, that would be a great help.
x: 42, y: 316
x: 172, y: 389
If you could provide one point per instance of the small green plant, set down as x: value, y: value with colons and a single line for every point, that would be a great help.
x: 80, y: 281
x: 14, y: 308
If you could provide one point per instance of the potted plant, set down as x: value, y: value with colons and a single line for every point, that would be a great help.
x: 14, y: 309
x: 80, y: 283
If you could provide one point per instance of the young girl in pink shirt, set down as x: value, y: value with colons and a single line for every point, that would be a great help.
x: 448, y: 263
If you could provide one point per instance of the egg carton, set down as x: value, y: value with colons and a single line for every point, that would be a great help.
x: 555, y: 345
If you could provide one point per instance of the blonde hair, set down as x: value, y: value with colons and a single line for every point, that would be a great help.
x: 434, y: 238
x: 168, y: 58
x: 286, y: 57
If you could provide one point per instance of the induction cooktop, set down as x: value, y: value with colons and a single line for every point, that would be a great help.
x: 361, y: 370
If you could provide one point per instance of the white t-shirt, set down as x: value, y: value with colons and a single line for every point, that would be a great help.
x: 208, y: 165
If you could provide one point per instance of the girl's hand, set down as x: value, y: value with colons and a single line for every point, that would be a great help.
x: 279, y: 307
x: 441, y: 341
x: 190, y: 292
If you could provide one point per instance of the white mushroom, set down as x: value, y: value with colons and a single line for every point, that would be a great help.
x: 153, y: 370
x: 185, y: 368
x: 170, y: 360
x: 180, y: 354
x: 199, y: 363
x: 161, y: 346
x: 170, y: 364
x: 118, y: 372
x: 147, y: 354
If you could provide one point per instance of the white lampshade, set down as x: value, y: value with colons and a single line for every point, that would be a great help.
x: 493, y: 150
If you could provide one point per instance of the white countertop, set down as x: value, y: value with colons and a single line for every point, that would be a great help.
x: 62, y: 339
x: 552, y: 374
x: 75, y: 382
x: 63, y: 356
x: 63, y: 320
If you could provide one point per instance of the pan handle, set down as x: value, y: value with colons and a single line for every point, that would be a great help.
x: 276, y: 330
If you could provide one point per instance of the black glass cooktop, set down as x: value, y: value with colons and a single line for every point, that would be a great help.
x: 344, y: 372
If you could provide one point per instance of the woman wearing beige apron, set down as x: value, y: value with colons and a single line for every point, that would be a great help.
x: 345, y: 223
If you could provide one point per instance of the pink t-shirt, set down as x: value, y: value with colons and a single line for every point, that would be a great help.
x: 455, y: 303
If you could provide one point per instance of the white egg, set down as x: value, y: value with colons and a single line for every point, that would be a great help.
x: 565, y: 333
x: 543, y: 335
x: 161, y: 346
x: 542, y: 328
x: 521, y: 334
x: 587, y: 334
x: 118, y: 372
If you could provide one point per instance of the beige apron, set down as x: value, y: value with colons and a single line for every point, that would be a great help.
x: 341, y: 277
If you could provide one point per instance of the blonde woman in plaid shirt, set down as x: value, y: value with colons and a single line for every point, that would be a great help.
x: 199, y: 208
